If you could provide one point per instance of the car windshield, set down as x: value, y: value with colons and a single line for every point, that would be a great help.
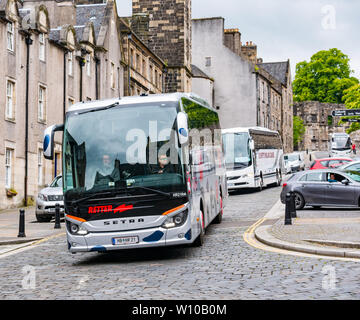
x: 123, y: 147
x: 57, y: 183
x: 237, y: 150
x: 292, y: 157
x: 355, y: 175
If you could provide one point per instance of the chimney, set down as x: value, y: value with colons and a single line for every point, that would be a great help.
x: 249, y: 52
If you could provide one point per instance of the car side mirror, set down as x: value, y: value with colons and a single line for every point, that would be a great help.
x: 252, y: 144
x: 345, y: 182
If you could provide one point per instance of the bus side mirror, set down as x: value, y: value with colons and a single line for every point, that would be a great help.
x: 252, y: 144
x: 183, y: 130
x: 49, y: 140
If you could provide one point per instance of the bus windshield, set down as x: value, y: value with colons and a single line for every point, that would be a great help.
x: 237, y: 150
x: 121, y: 148
x: 341, y: 142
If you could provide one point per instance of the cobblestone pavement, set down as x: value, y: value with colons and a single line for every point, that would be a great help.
x: 224, y: 268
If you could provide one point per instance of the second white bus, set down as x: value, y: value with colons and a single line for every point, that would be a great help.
x: 253, y: 156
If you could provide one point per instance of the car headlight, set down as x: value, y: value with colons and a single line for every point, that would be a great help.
x: 43, y: 197
x: 76, y: 229
x: 175, y: 221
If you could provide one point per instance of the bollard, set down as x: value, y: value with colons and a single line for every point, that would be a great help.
x: 22, y: 224
x: 293, y: 205
x: 57, y: 216
x: 287, y: 209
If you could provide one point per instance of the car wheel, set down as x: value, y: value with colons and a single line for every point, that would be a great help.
x: 200, y: 239
x: 299, y: 201
x: 219, y: 217
x: 42, y: 218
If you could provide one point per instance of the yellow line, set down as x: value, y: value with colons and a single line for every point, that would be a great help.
x: 249, y: 238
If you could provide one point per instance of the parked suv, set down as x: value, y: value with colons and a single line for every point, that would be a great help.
x: 47, y: 199
x: 294, y: 162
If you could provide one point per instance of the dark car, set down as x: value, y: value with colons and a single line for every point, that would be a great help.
x: 328, y: 187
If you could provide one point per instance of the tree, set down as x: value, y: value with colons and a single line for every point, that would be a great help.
x: 324, y: 78
x: 351, y: 99
x: 299, y: 130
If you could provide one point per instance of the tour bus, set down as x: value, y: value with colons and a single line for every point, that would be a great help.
x: 140, y: 171
x: 253, y: 157
x: 340, y: 144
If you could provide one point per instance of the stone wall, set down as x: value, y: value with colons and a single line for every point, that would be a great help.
x: 317, y: 129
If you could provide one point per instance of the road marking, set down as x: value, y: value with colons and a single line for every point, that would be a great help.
x: 28, y: 246
x: 249, y: 238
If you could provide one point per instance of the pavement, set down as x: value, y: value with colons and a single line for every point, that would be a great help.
x: 327, y: 231
x: 34, y: 231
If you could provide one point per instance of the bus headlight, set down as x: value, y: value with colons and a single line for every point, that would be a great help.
x: 175, y: 221
x: 76, y: 229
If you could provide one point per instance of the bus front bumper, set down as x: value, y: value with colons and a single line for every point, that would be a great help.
x: 110, y: 241
x: 233, y: 184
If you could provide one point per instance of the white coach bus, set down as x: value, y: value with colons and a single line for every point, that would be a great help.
x: 133, y: 176
x: 253, y: 157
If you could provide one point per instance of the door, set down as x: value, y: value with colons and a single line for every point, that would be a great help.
x: 338, y: 193
x: 312, y: 186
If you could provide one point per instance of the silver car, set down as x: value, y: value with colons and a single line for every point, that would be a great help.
x: 47, y: 199
x: 319, y: 188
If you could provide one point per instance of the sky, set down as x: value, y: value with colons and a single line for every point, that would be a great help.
x: 286, y: 29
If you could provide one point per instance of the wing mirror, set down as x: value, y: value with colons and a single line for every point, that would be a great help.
x: 183, y: 130
x: 252, y: 144
x: 345, y: 182
x: 49, y: 140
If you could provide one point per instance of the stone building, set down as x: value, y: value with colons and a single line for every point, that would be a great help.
x: 318, y: 129
x: 246, y: 92
x: 165, y: 28
x: 55, y: 53
x: 144, y: 72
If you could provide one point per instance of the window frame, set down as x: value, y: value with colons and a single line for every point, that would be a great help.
x: 10, y: 115
x: 10, y: 36
x: 70, y: 63
x: 42, y: 102
x: 42, y: 47
x: 9, y: 167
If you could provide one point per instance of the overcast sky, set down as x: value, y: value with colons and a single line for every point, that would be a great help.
x: 287, y: 29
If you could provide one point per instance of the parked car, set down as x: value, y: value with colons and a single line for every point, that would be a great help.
x: 294, y: 162
x: 329, y: 163
x: 47, y: 199
x: 328, y: 187
x: 351, y: 166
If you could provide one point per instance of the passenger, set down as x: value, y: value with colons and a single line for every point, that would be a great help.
x: 163, y: 165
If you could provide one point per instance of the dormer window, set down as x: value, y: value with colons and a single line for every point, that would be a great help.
x: 10, y: 36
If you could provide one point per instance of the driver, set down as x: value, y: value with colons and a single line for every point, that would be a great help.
x: 332, y: 178
x: 163, y: 165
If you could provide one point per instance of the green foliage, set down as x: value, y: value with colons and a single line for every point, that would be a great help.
x: 299, y: 130
x: 351, y: 99
x: 324, y: 78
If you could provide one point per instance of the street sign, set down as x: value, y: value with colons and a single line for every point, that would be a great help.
x: 342, y: 113
x: 351, y: 120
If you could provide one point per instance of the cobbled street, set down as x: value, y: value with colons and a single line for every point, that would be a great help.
x: 226, y: 267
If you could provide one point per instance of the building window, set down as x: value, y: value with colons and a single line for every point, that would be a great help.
x: 42, y: 104
x: 112, y: 75
x: 144, y: 68
x: 70, y: 63
x: 132, y: 58
x: 151, y: 74
x: 42, y: 46
x: 8, y: 167
x: 156, y: 78
x: 10, y: 36
x: 88, y: 65
x: 208, y: 62
x: 10, y: 100
x: 138, y: 66
x: 40, y: 168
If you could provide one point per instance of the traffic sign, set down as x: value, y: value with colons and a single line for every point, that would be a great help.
x: 351, y: 120
x: 342, y: 113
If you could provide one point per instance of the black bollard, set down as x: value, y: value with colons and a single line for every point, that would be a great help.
x: 57, y: 217
x: 293, y: 205
x: 288, y: 209
x: 22, y: 224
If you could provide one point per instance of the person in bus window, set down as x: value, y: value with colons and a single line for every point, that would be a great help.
x: 163, y: 165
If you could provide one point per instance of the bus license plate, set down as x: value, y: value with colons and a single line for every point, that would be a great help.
x: 125, y: 240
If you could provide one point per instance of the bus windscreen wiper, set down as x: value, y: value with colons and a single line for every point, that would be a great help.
x: 94, y: 195
x: 102, y: 108
x: 152, y: 190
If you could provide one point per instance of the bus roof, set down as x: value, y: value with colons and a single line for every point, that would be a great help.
x: 247, y: 129
x: 168, y: 97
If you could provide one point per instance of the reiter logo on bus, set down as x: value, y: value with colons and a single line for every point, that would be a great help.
x: 104, y: 209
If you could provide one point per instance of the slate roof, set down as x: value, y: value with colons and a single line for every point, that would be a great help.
x: 94, y: 13
x: 198, y: 73
x: 279, y: 70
